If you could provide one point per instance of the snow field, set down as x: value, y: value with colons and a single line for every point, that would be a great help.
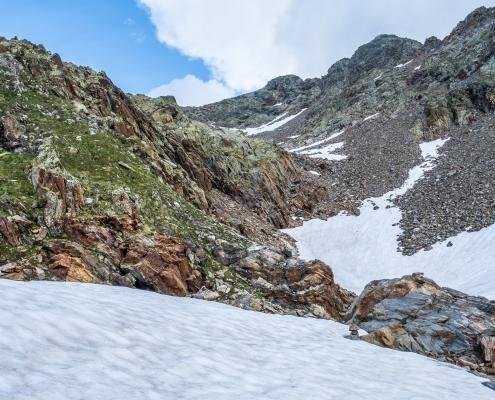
x: 80, y: 341
x: 364, y: 248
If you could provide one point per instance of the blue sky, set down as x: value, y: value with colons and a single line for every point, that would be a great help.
x: 112, y: 36
x: 202, y: 51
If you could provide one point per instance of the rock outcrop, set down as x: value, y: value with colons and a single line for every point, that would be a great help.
x: 414, y: 314
x: 284, y: 284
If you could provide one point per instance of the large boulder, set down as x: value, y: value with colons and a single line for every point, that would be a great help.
x: 414, y: 314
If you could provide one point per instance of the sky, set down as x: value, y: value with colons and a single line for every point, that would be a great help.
x: 202, y: 51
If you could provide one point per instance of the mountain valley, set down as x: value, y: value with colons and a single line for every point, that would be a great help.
x: 356, y: 197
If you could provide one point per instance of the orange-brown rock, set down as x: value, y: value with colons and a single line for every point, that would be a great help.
x: 67, y: 254
x: 93, y: 236
x: 160, y: 264
x: 9, y: 230
x: 71, y: 269
x: 12, y: 131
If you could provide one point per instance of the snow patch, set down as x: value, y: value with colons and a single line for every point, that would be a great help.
x: 371, y: 117
x: 326, y: 152
x: 403, y: 65
x: 73, y: 340
x: 314, y: 173
x: 418, y: 67
x: 316, y: 143
x: 364, y: 248
x: 272, y: 125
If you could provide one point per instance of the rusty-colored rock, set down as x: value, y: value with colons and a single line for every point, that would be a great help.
x: 71, y: 269
x: 487, y: 344
x: 300, y: 285
x: 160, y: 264
x: 12, y: 131
x: 9, y: 231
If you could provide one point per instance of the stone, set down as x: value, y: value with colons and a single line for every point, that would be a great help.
x: 489, y: 384
x: 10, y: 268
x: 414, y: 314
x: 12, y: 130
x: 71, y: 269
x: 228, y: 255
x: 208, y: 295
x: 465, y: 363
x: 310, y: 285
x: 487, y: 344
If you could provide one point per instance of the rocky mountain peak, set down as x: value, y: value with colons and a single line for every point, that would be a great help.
x: 283, y: 82
x: 480, y: 18
x: 383, y: 52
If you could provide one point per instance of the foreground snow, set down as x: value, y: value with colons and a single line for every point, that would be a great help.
x: 364, y: 248
x: 81, y: 341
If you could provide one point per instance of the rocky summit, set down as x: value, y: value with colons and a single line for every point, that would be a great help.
x: 104, y: 187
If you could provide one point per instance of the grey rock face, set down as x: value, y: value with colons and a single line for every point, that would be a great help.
x: 414, y: 314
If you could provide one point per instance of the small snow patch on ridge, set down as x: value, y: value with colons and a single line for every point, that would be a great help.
x: 272, y: 125
x: 403, y: 65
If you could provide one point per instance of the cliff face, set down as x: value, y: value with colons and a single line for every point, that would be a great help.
x: 99, y: 186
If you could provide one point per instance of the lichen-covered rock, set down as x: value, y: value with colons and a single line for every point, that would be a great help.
x: 62, y: 192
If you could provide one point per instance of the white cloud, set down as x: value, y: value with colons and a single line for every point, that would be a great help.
x: 191, y: 91
x: 245, y: 43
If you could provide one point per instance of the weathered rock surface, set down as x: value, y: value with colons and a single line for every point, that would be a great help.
x: 414, y: 314
x: 283, y: 285
x: 285, y: 94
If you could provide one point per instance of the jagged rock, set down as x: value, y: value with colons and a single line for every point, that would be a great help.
x: 71, y: 269
x: 72, y: 261
x: 414, y: 314
x: 487, y: 344
x: 9, y: 230
x: 11, y: 131
x: 160, y: 264
x: 61, y: 192
x: 296, y: 284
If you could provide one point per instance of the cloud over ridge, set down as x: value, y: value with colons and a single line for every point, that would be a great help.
x: 245, y: 43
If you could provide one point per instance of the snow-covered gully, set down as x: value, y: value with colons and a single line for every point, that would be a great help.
x: 364, y: 248
x: 84, y: 341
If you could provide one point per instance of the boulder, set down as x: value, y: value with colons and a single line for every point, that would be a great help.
x: 414, y: 314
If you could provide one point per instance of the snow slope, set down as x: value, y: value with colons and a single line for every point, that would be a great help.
x: 82, y: 341
x: 364, y: 248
